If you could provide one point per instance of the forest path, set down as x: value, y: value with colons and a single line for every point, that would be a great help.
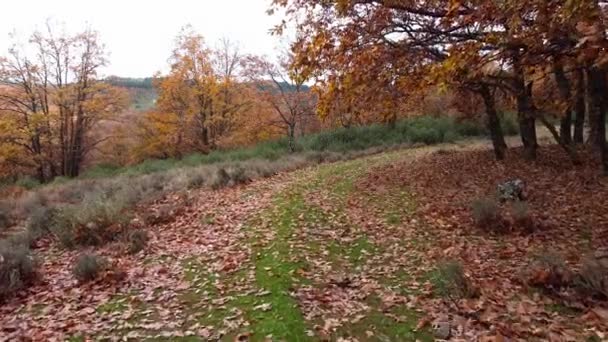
x: 306, y: 255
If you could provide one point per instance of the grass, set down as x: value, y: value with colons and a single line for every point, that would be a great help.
x: 384, y: 328
x: 17, y: 268
x: 277, y: 264
x: 83, y: 209
x: 275, y: 272
x: 285, y: 246
x: 427, y: 130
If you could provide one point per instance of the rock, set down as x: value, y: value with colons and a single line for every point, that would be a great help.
x: 512, y: 190
x: 442, y: 330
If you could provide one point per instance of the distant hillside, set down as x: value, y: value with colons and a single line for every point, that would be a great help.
x: 128, y: 82
x: 144, y: 95
x: 142, y: 91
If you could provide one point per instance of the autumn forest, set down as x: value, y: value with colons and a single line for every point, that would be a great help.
x: 395, y: 171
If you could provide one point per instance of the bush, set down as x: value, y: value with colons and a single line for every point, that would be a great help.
x: 40, y: 221
x: 88, y: 267
x: 30, y: 202
x: 17, y: 269
x: 486, y: 214
x: 27, y: 182
x: 220, y: 179
x: 509, y: 124
x: 5, y: 215
x: 97, y: 220
x: 237, y: 175
x: 549, y: 271
x: 470, y: 128
x: 137, y: 241
x: 592, y: 279
x: 450, y: 282
x: 164, y: 213
x: 522, y: 217
x: 425, y: 135
x: 22, y: 238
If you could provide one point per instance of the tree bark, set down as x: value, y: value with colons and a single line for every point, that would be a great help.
x: 563, y: 85
x: 525, y: 111
x: 594, y: 87
x: 579, y: 108
x: 291, y: 132
x: 493, y: 123
x: 596, y: 79
x: 527, y: 126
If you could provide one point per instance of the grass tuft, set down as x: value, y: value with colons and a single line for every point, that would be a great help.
x: 88, y: 267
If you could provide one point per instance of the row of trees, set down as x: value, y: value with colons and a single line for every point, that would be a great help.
x: 57, y: 113
x: 51, y: 101
x: 548, y: 58
x: 214, y: 97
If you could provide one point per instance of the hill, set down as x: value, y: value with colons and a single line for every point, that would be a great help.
x: 141, y: 90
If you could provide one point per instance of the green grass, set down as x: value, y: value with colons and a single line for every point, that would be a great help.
x: 276, y: 272
x: 260, y: 292
x: 426, y: 130
x: 384, y: 328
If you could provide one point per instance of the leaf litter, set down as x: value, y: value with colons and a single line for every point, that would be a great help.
x: 341, y: 252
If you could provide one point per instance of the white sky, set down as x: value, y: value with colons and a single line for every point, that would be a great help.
x: 139, y: 34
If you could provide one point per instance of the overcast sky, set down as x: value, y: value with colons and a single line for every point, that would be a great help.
x: 139, y: 34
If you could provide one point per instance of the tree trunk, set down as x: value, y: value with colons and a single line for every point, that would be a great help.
x: 291, y: 132
x: 493, y: 123
x: 525, y: 111
x: 596, y: 79
x: 594, y: 87
x: 569, y: 148
x: 604, y: 147
x: 563, y: 85
x: 579, y: 108
x: 527, y: 126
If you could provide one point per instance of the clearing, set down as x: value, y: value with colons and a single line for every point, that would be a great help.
x: 342, y: 251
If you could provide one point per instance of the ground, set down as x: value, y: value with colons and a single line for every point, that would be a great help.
x: 343, y: 251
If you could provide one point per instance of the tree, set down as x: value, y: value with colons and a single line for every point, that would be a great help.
x: 54, y: 102
x: 451, y: 44
x: 282, y: 87
x: 198, y: 101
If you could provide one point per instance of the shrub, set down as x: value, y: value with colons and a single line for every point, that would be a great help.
x: 30, y: 202
x: 164, y: 213
x: 549, y: 271
x: 592, y: 280
x: 137, y: 241
x: 5, y: 215
x: 425, y: 135
x: 27, y: 182
x: 237, y: 175
x: 220, y: 179
x: 450, y: 137
x: 17, y: 269
x: 197, y: 180
x: 22, y: 238
x: 486, y: 214
x: 98, y: 219
x: 450, y: 281
x: 522, y: 217
x: 470, y: 128
x: 88, y: 267
x: 509, y: 124
x: 40, y: 221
